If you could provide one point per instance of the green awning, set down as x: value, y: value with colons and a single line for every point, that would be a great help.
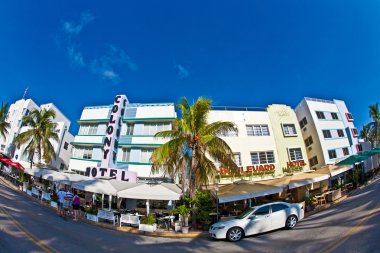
x: 353, y: 159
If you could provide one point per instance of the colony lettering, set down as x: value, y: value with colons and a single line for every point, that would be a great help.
x: 110, y: 146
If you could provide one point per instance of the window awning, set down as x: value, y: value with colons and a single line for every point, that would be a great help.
x: 12, y: 163
x: 245, y: 190
x: 353, y: 159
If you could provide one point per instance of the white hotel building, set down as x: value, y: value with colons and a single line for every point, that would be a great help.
x: 22, y: 108
x: 136, y: 143
x: 328, y: 130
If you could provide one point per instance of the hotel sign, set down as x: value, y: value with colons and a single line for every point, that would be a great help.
x: 258, y: 169
x: 110, y: 146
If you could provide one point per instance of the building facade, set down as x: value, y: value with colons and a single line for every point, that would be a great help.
x: 136, y: 143
x: 268, y: 143
x: 22, y: 108
x: 328, y: 131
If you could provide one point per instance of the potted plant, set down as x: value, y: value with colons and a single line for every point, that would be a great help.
x: 92, y: 214
x: 54, y: 200
x: 148, y: 223
x: 309, y: 203
x: 184, y: 213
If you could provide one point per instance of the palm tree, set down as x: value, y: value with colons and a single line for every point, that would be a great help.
x: 4, y: 125
x: 39, y: 136
x: 194, y: 145
x: 365, y: 133
x: 374, y: 113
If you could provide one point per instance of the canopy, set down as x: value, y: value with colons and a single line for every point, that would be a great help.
x: 245, y: 190
x: 353, y: 159
x: 302, y: 179
x: 162, y: 191
x: 102, y: 186
x: 12, y: 163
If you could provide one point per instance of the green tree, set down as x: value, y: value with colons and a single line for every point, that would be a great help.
x: 4, y: 125
x: 194, y: 146
x: 365, y: 133
x: 41, y: 131
x: 374, y: 113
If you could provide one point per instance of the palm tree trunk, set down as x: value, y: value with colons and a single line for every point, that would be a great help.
x: 193, y: 188
x: 183, y: 179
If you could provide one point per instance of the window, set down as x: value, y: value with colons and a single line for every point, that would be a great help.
x: 359, y: 148
x: 82, y: 152
x: 153, y: 128
x: 66, y: 146
x: 257, y: 130
x: 309, y: 141
x: 289, y: 129
x: 262, y: 157
x: 231, y: 133
x: 237, y: 159
x: 332, y: 154
x: 354, y: 132
x: 130, y: 128
x: 340, y: 133
x: 334, y: 115
x: 345, y: 151
x: 326, y: 134
x: 313, y: 161
x: 278, y: 207
x: 262, y: 210
x: 303, y: 122
x: 146, y: 153
x: 87, y: 129
x: 349, y: 117
x: 320, y: 115
x: 126, y: 155
x: 295, y: 154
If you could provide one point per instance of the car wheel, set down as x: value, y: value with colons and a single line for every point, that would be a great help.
x: 235, y: 234
x: 291, y: 222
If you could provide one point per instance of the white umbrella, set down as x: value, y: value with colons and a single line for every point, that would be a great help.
x: 162, y: 191
x: 102, y: 186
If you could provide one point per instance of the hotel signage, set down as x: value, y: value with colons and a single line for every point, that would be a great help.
x: 252, y: 170
x: 110, y: 146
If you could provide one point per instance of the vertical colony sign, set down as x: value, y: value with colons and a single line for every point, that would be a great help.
x: 110, y: 146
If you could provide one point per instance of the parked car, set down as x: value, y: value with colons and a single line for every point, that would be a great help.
x: 258, y: 219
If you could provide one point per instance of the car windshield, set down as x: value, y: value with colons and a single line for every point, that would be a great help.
x: 245, y: 213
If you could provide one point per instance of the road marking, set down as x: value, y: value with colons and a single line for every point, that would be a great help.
x: 28, y: 234
x: 332, y: 246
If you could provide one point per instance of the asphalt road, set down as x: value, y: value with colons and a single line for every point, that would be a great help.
x: 352, y: 226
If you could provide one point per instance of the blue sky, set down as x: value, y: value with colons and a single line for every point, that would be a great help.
x: 238, y: 53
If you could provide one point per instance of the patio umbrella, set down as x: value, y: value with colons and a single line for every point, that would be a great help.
x: 353, y: 159
x: 163, y: 191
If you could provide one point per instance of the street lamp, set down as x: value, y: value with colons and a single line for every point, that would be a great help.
x: 216, y: 188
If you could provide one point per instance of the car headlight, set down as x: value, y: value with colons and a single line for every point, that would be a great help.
x: 218, y: 227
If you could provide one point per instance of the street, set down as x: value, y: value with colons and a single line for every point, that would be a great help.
x: 352, y: 226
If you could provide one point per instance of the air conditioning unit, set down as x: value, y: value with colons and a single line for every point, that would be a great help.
x: 309, y: 148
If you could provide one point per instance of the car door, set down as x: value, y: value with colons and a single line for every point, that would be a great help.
x: 279, y: 215
x: 260, y: 221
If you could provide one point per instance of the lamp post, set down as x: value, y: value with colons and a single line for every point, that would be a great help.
x: 216, y: 188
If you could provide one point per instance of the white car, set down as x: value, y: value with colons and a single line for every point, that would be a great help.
x: 258, y: 219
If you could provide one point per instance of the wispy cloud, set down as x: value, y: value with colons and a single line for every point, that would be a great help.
x: 75, y: 56
x: 182, y: 72
x: 74, y: 28
x: 115, y: 60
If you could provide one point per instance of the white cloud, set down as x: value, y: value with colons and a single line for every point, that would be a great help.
x: 74, y: 28
x: 182, y: 72
x: 107, y: 65
x: 75, y: 56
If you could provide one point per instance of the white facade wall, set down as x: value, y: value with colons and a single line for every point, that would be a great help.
x: 308, y: 109
x: 136, y: 142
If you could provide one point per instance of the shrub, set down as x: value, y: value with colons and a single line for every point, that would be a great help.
x: 149, y: 220
x: 92, y: 210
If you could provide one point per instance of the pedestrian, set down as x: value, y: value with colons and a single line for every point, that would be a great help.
x: 76, y: 205
x: 61, y: 198
x: 69, y: 197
